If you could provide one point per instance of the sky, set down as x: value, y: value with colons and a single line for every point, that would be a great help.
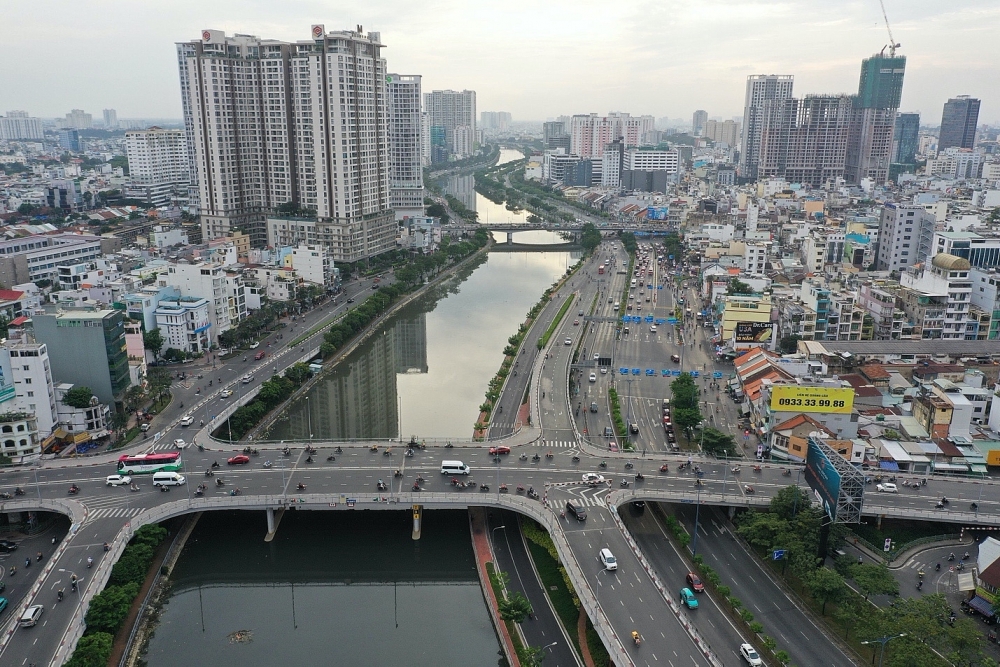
x: 535, y: 59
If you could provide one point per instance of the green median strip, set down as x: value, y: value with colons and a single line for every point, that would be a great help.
x: 544, y: 339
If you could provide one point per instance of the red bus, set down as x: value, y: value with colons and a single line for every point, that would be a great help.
x: 149, y: 463
x: 600, y: 269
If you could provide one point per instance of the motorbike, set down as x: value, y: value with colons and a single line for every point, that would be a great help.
x: 628, y: 465
x: 523, y: 457
x: 73, y: 490
x: 576, y: 459
x: 164, y: 489
x: 623, y: 483
x: 664, y: 468
x: 409, y: 452
x: 267, y: 464
x: 449, y: 446
x: 6, y: 496
x: 209, y: 473
x: 310, y: 449
x: 974, y: 506
x: 536, y: 457
x: 939, y: 504
x: 757, y: 469
x: 532, y: 494
x: 215, y: 464
x: 419, y: 480
x: 639, y: 477
x: 59, y: 595
x: 503, y: 488
x: 300, y: 487
x: 254, y: 452
x: 331, y: 457
x: 549, y: 455
x: 339, y: 450
x: 636, y: 638
x: 286, y: 452
x: 736, y: 470
x: 235, y: 492
x: 18, y: 491
x: 786, y: 473
x: 309, y: 459
x: 219, y: 482
x: 944, y: 501
x: 520, y: 488
x: 415, y: 487
x: 199, y: 492
x: 397, y: 474
x: 602, y: 464
x: 951, y: 557
x: 373, y: 448
x: 484, y: 487
x: 748, y: 488
x: 937, y: 567
x: 381, y: 485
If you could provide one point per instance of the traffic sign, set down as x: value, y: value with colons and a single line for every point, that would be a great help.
x: 636, y: 371
x: 779, y: 554
x: 623, y: 370
x: 888, y: 545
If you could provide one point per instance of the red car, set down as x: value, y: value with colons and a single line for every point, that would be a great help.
x: 238, y: 459
x: 695, y: 583
x: 500, y: 450
x: 260, y: 355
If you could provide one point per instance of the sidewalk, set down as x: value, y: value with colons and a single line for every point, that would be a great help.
x: 904, y: 557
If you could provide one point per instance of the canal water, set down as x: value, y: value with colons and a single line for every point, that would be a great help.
x: 333, y: 588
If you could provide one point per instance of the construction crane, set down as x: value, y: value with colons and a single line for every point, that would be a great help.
x: 893, y: 44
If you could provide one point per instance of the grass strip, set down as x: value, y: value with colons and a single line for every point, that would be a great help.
x: 543, y: 340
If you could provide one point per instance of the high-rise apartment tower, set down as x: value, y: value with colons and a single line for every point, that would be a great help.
x: 958, y: 123
x: 873, y: 118
x: 760, y: 88
x: 455, y: 111
x: 406, y: 180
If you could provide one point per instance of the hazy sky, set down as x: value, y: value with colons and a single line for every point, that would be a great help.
x: 534, y: 58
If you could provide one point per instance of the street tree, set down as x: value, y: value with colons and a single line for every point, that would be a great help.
x: 717, y: 443
x: 874, y: 580
x: 515, y: 608
x: 153, y: 341
x: 790, y: 500
x: 825, y: 586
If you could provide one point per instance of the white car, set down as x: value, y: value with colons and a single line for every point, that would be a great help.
x: 187, y: 420
x: 652, y: 328
x: 254, y: 345
x: 118, y: 480
x: 604, y: 371
x: 179, y: 443
x: 226, y: 393
x: 247, y: 379
x: 748, y: 653
x: 593, y: 478
x: 887, y: 487
x: 608, y: 560
x: 593, y: 377
x: 569, y: 341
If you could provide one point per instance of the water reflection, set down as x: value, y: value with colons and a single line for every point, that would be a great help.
x: 426, y: 371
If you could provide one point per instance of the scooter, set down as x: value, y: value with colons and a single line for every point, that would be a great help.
x: 331, y: 457
x: 639, y: 477
x: 623, y: 483
x: 664, y: 468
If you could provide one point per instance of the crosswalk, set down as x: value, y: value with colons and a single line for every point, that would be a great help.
x: 565, y: 444
x: 113, y: 512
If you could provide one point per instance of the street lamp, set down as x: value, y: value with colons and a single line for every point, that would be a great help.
x: 75, y: 578
x: 697, y: 515
x: 309, y: 418
x: 883, y: 641
x: 495, y: 530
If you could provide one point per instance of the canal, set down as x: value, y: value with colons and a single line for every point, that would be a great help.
x: 333, y: 588
x: 352, y: 588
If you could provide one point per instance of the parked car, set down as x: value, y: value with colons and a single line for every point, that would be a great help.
x: 254, y: 345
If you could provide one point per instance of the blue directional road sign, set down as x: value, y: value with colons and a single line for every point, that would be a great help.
x: 649, y: 319
x: 636, y: 371
x: 665, y: 372
x: 676, y: 372
x: 623, y: 370
x: 660, y: 320
x: 695, y: 374
x: 650, y: 371
x: 717, y: 375
x: 779, y: 554
x: 659, y: 287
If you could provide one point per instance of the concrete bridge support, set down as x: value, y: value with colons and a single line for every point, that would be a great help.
x: 272, y: 522
x: 510, y: 238
x: 418, y: 513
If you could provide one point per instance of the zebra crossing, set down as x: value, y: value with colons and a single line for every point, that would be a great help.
x: 113, y: 512
x: 565, y: 444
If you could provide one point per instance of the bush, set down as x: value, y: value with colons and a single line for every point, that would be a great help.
x: 92, y: 650
x: 109, y: 608
x: 132, y: 566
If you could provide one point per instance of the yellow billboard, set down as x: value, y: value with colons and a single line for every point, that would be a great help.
x: 795, y: 398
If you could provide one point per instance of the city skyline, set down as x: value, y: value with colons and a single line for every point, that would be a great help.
x: 537, y: 62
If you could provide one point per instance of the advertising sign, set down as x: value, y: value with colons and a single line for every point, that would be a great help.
x: 795, y: 398
x: 7, y: 390
x: 754, y: 332
x: 657, y: 212
x: 823, y: 478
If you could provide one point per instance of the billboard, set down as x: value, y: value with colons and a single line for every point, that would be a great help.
x: 796, y: 398
x: 7, y: 390
x: 823, y: 478
x: 755, y: 332
x: 657, y: 212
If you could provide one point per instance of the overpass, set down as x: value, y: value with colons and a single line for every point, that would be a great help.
x: 104, y: 514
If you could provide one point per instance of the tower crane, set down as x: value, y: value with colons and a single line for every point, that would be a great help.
x: 893, y: 44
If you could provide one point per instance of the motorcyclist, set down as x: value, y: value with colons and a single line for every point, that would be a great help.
x: 90, y: 561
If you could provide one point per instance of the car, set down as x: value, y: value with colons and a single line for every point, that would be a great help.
x: 31, y: 615
x: 179, y: 443
x: 350, y: 300
x: 375, y: 286
x: 502, y: 449
x: 568, y: 341
x: 593, y: 377
x: 608, y: 560
x: 748, y: 653
x: 144, y: 427
x: 612, y: 446
x: 597, y: 355
x: 239, y: 459
x: 887, y: 487
x: 118, y: 480
x: 580, y: 313
x: 604, y: 370
x: 593, y: 408
x: 577, y: 509
x: 695, y: 583
x: 676, y: 358
x: 254, y: 345
x: 6, y: 546
x: 3, y: 604
x: 226, y: 393
x: 652, y: 328
x: 688, y: 599
x: 187, y: 420
x: 247, y: 379
x: 633, y: 428
x: 260, y: 355
x: 593, y: 478
x: 576, y: 323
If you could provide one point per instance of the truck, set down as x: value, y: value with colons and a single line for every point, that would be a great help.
x: 600, y: 270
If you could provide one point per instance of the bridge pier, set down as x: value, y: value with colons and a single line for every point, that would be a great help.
x: 418, y: 512
x: 272, y: 522
x: 510, y: 238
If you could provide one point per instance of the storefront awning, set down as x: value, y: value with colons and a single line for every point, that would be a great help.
x: 982, y: 605
x: 891, y: 466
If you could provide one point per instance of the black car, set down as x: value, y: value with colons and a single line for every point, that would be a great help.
x: 6, y: 546
x: 350, y: 301
x: 577, y: 510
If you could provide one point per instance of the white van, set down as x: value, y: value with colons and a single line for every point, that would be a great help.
x: 31, y: 615
x: 168, y: 479
x: 617, y: 305
x: 454, y: 468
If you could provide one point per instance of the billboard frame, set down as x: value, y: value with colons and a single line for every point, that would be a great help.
x: 825, y: 468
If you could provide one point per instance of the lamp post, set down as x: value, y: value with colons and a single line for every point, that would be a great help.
x: 75, y: 578
x: 309, y: 418
x: 883, y: 641
x: 697, y: 514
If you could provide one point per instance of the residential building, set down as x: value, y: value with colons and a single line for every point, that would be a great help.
x: 141, y: 306
x: 554, y: 135
x: 312, y: 263
x: 87, y: 347
x: 955, y: 163
x: 958, y: 123
x: 804, y: 140
x: 63, y: 194
x: 760, y: 89
x: 725, y: 132
x: 80, y: 425
x: 949, y: 277
x: 29, y: 387
x: 986, y: 297
x: 495, y: 120
x: 19, y: 436
x: 698, y: 121
x: 285, y: 131
x: 451, y: 109
x: 983, y: 252
x: 111, y: 120
x: 158, y: 165
x: 905, y: 235
x: 222, y: 288
x: 873, y: 118
x: 18, y: 125
x: 69, y: 140
x: 406, y: 181
x: 590, y: 134
x: 425, y: 139
x: 33, y: 258
x: 79, y: 120
x: 184, y: 324
x: 879, y: 301
x: 773, y: 416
